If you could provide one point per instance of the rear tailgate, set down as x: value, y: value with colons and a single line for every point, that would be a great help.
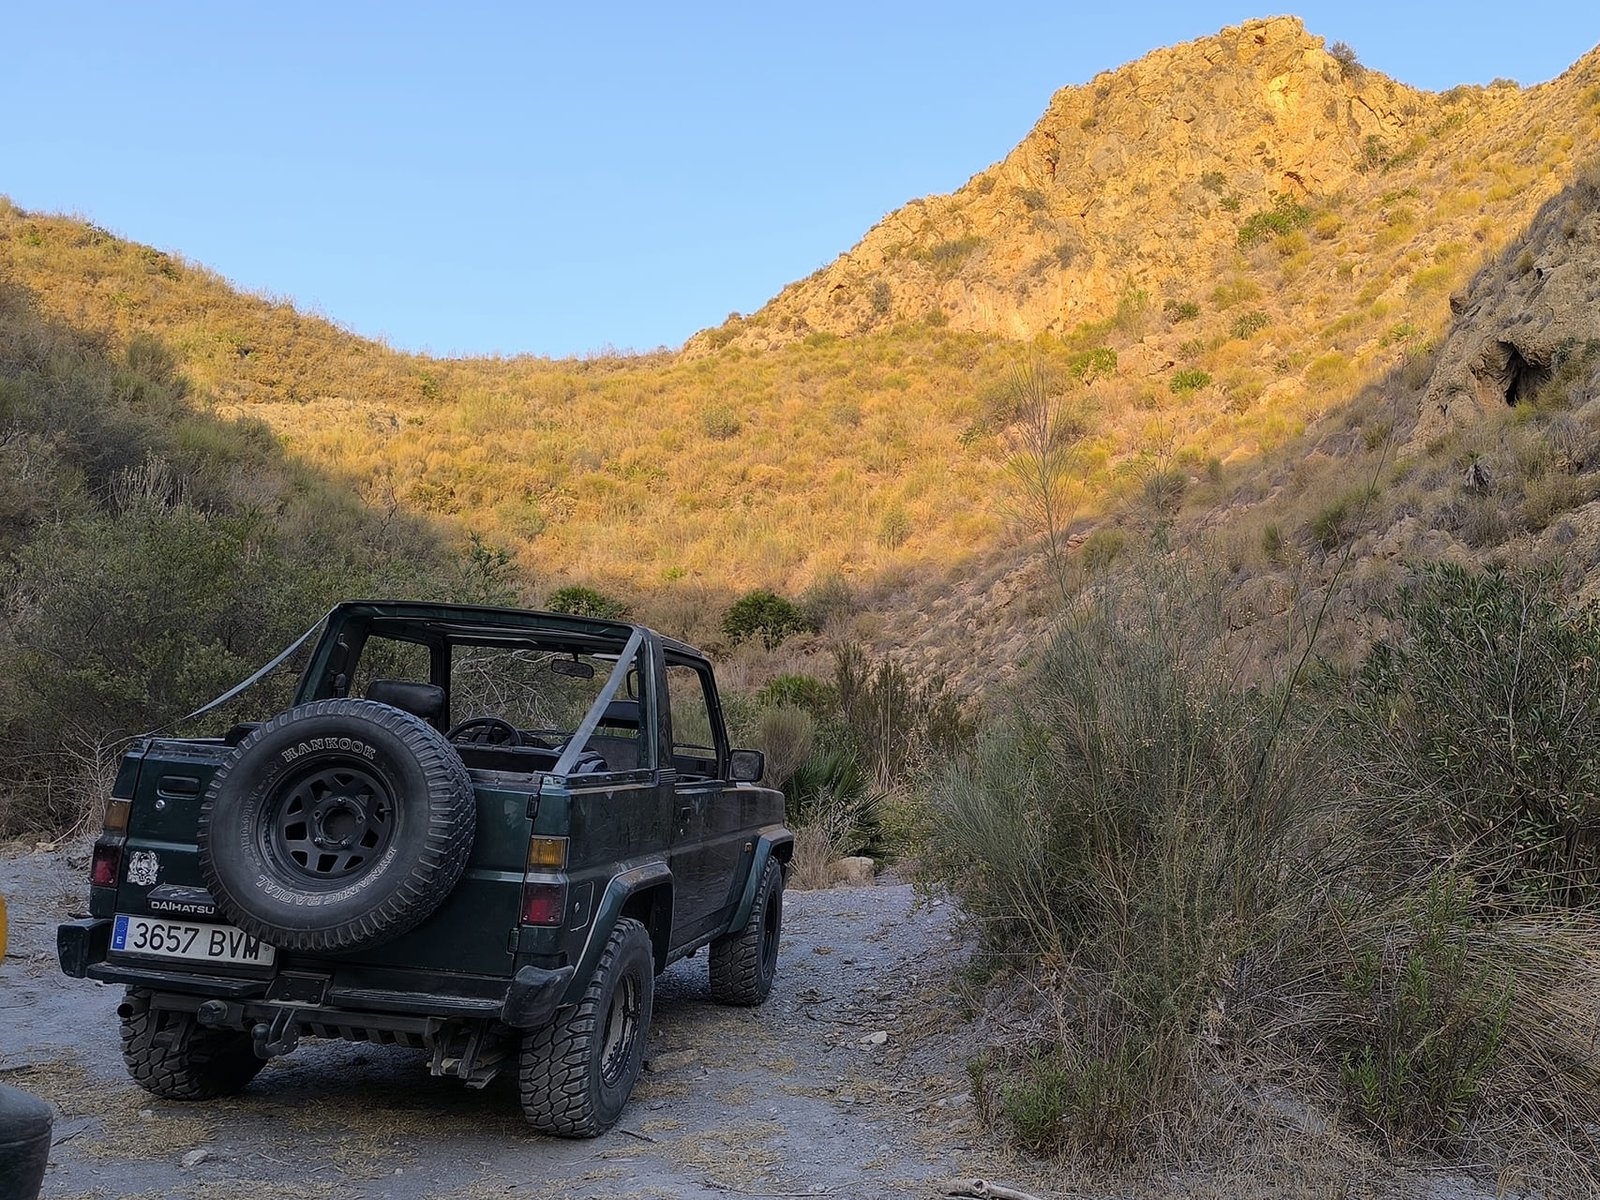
x: 161, y: 890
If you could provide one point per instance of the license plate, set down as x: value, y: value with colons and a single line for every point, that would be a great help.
x: 190, y: 941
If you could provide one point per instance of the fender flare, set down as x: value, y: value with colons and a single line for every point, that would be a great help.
x: 647, y: 877
x: 773, y: 841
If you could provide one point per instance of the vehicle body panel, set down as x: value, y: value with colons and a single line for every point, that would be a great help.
x: 680, y: 854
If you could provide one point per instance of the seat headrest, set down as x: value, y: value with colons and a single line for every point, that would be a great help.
x: 425, y: 700
x: 622, y: 712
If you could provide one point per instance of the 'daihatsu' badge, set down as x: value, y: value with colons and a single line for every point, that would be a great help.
x: 144, y: 868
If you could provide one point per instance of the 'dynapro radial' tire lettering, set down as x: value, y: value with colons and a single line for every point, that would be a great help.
x: 336, y: 825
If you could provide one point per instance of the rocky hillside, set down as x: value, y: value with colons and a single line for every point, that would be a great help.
x: 1234, y: 259
x: 1528, y: 319
x: 1144, y: 178
x: 1483, y: 447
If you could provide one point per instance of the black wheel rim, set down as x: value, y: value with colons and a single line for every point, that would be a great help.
x: 329, y: 823
x: 621, y: 1031
x: 770, y: 929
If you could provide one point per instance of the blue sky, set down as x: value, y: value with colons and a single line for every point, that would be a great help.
x: 554, y: 179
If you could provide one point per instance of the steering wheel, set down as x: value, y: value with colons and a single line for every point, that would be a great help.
x: 486, y: 731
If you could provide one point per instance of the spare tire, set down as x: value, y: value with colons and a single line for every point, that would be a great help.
x: 336, y: 825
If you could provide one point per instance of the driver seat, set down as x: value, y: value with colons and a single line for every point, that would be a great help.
x: 425, y: 700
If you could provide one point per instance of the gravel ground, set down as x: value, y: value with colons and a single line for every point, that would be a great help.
x: 795, y: 1098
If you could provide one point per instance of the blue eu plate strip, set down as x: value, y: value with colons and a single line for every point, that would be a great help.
x: 119, y: 934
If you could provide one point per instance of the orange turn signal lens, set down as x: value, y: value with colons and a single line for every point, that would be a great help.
x: 117, y: 815
x: 547, y: 853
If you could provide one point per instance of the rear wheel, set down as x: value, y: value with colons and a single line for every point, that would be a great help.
x: 171, y: 1055
x: 744, y: 964
x: 576, y: 1074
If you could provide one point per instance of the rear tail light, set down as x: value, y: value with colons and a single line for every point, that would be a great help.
x: 543, y: 903
x: 106, y: 866
x: 547, y: 854
x: 117, y: 815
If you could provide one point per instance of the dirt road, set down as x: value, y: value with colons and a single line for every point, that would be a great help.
x: 795, y: 1098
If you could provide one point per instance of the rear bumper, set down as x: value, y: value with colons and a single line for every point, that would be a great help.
x: 527, y: 1001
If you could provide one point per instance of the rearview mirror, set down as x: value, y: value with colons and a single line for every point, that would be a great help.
x: 573, y: 667
x: 746, y: 766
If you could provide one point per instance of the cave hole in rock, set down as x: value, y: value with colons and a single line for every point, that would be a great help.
x: 1522, y: 377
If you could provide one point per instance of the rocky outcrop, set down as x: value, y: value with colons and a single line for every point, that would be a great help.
x: 1126, y: 183
x: 1528, y: 320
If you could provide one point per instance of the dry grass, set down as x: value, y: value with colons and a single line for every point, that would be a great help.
x: 813, y: 854
x: 122, y: 1130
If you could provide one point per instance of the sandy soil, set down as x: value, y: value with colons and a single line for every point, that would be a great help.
x: 791, y: 1099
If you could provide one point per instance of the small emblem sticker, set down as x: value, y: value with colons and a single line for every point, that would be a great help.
x: 144, y: 868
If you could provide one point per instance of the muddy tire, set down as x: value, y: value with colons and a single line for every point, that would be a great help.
x: 576, y: 1074
x: 337, y: 825
x: 744, y: 964
x: 172, y: 1055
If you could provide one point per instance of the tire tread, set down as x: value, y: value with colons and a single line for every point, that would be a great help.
x: 736, y: 975
x: 211, y: 1063
x: 554, y: 1069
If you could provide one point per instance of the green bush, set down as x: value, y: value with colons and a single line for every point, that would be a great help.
x: 1209, y: 882
x: 1190, y: 379
x: 1089, y: 365
x: 806, y: 692
x: 894, y: 722
x: 1480, y: 712
x: 1333, y: 524
x: 830, y: 788
x: 1032, y: 199
x: 1131, y: 820
x: 826, y: 601
x: 487, y: 574
x: 1272, y: 542
x: 1101, y: 548
x: 947, y: 257
x: 1164, y: 489
x: 785, y: 735
x: 765, y: 615
x: 580, y: 601
x: 895, y: 528
x: 1285, y: 216
x: 1431, y: 1021
x: 1247, y: 325
x: 152, y: 555
x: 720, y: 423
x: 1090, y: 1105
x: 1349, y: 65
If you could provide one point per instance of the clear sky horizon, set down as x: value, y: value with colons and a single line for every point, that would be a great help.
x: 481, y: 178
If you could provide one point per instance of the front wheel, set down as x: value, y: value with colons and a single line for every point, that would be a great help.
x: 575, y: 1074
x: 172, y: 1055
x: 744, y: 964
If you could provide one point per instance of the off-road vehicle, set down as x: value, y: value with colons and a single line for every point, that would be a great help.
x: 478, y: 831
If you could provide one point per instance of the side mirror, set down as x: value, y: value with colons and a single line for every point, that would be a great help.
x: 746, y: 766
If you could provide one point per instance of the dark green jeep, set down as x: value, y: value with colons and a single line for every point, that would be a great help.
x: 478, y: 831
